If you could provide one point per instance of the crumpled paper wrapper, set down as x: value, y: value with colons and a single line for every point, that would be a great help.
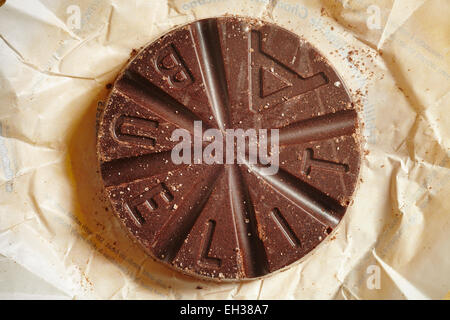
x: 59, y: 240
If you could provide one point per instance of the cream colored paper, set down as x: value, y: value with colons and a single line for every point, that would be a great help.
x: 58, y: 241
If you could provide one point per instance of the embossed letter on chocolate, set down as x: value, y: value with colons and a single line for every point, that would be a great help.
x: 229, y: 221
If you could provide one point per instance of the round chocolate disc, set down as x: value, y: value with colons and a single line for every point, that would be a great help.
x: 229, y: 218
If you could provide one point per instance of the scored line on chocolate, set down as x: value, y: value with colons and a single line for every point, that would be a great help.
x: 251, y: 247
x: 126, y: 170
x: 317, y: 204
x: 211, y: 62
x: 319, y: 128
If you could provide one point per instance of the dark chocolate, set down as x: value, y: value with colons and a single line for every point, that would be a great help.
x: 229, y: 221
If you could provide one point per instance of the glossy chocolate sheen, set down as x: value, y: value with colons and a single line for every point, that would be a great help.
x: 229, y: 221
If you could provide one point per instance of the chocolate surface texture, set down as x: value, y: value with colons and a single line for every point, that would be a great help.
x: 229, y: 221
